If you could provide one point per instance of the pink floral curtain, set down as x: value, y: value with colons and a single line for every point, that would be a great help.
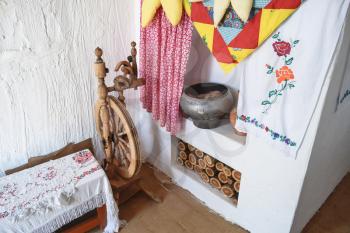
x: 164, y: 52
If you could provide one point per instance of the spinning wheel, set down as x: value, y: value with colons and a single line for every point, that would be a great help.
x: 119, y: 135
x: 124, y: 141
x: 114, y: 124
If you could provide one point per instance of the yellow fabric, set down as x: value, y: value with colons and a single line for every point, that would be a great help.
x: 227, y: 67
x: 240, y: 54
x: 220, y: 7
x: 149, y: 10
x: 173, y: 10
x: 270, y: 20
x: 206, y: 32
x: 242, y: 8
x: 187, y: 6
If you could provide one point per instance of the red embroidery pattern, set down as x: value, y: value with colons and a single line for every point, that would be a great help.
x: 83, y: 156
x: 86, y: 173
x: 282, y: 48
x: 31, y: 186
x: 284, y: 75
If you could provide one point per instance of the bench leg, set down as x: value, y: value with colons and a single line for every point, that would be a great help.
x: 102, y: 216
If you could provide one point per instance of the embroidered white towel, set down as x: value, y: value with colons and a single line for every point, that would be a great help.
x: 282, y: 81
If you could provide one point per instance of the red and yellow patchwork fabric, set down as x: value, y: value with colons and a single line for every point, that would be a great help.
x: 234, y: 40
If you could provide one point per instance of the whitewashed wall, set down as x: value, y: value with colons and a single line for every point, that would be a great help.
x: 47, y: 84
x: 330, y: 160
x: 47, y: 92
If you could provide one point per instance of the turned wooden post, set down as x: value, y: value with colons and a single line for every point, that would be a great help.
x: 101, y: 110
x: 133, y: 62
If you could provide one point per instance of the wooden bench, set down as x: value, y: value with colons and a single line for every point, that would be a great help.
x: 91, y: 220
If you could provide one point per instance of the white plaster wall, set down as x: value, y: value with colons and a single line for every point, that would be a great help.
x: 330, y: 158
x: 47, y: 84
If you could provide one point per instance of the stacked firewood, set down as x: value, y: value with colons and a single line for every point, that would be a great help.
x: 211, y: 171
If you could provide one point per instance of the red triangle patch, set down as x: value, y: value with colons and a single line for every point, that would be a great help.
x: 249, y: 37
x: 220, y: 50
x: 200, y: 13
x: 283, y: 4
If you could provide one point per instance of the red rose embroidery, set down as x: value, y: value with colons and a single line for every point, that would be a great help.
x: 282, y: 48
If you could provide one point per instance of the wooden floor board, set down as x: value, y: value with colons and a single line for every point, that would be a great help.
x: 181, y: 212
x: 334, y: 215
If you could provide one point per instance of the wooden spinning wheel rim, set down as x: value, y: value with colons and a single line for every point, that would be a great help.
x: 124, y: 139
x: 131, y: 132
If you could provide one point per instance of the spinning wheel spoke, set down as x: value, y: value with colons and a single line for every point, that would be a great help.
x: 125, y: 150
x: 122, y: 141
x: 121, y: 134
x: 117, y: 156
x: 117, y: 153
x: 124, y: 160
x: 122, y: 148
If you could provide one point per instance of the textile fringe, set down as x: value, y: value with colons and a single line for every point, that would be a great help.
x: 113, y: 222
x: 72, y: 214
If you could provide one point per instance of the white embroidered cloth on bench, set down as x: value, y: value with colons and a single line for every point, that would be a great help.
x: 50, y: 195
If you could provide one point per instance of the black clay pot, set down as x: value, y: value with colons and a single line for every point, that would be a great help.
x: 206, y: 104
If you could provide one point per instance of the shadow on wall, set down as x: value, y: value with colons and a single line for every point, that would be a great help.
x: 154, y: 140
x: 203, y: 67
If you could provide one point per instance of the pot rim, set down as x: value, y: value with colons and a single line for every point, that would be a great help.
x: 227, y: 91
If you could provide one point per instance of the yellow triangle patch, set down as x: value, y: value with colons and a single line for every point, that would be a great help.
x: 206, y: 31
x: 227, y: 67
x: 270, y: 20
x: 240, y: 54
